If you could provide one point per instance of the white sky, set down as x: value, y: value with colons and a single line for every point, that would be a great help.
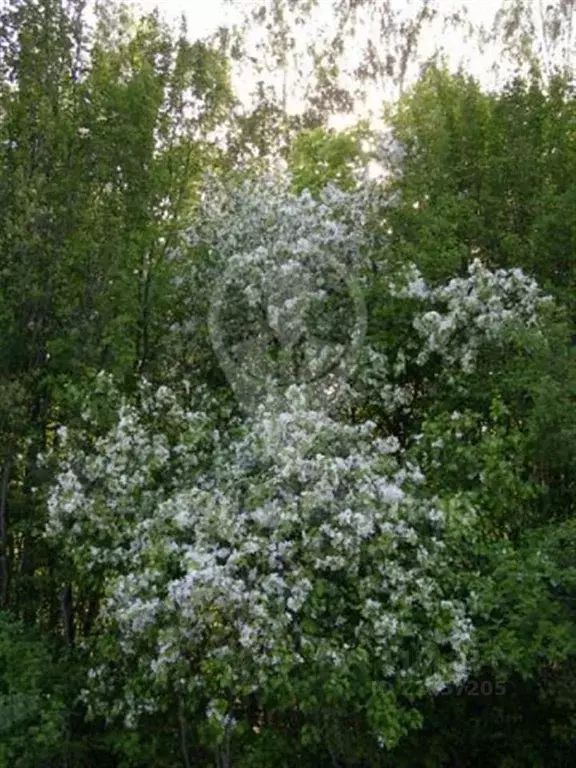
x: 207, y: 15
x: 204, y: 16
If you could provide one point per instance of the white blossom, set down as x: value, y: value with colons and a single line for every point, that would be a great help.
x: 220, y: 547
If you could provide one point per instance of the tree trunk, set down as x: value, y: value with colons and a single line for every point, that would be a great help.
x: 4, y: 560
x: 68, y: 614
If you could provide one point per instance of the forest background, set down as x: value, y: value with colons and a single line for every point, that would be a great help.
x: 419, y: 607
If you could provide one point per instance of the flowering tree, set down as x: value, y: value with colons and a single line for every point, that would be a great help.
x: 298, y: 559
x: 272, y: 281
x: 305, y: 552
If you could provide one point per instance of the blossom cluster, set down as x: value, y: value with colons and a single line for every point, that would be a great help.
x: 473, y: 310
x: 306, y: 537
x: 283, y: 269
x: 105, y: 484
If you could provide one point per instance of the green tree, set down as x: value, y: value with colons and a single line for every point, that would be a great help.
x: 103, y: 134
x: 476, y: 178
x: 488, y: 175
x: 33, y: 692
x: 320, y: 156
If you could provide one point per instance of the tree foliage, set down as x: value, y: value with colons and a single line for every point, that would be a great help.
x: 287, y: 468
